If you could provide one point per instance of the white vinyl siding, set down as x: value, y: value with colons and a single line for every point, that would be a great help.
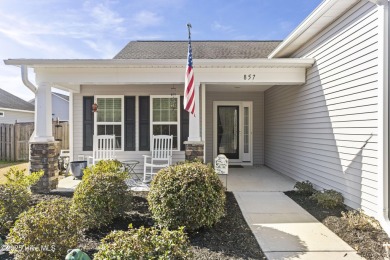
x: 21, y: 117
x: 60, y: 108
x: 258, y: 122
x: 121, y: 90
x: 326, y: 130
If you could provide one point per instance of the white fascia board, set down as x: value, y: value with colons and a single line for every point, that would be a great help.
x: 312, y: 25
x: 17, y: 110
x: 123, y: 63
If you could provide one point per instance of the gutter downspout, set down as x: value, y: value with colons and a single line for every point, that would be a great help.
x: 383, y: 113
x: 26, y: 82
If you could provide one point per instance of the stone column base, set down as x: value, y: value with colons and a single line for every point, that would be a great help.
x: 44, y: 156
x: 194, y: 150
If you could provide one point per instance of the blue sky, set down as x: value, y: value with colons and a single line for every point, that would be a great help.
x: 87, y: 29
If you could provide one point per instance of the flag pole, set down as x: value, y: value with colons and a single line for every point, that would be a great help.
x: 191, y: 95
x: 189, y: 26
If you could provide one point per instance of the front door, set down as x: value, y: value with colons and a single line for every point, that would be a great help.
x: 233, y: 131
x: 228, y: 128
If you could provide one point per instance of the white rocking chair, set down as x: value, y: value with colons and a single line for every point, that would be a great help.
x: 161, y: 155
x: 103, y: 148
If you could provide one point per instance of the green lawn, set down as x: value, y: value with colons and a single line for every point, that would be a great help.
x: 5, y: 166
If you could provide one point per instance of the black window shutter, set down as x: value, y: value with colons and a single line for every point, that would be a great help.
x: 184, y: 124
x: 144, y: 123
x: 87, y: 123
x: 129, y: 123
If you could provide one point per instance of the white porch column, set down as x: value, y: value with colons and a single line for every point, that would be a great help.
x: 43, y: 114
x: 194, y: 131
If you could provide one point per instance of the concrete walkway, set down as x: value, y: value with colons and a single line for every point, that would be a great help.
x: 282, y: 228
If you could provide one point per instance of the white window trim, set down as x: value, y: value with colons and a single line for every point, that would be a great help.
x: 122, y: 124
x: 2, y: 113
x: 166, y: 123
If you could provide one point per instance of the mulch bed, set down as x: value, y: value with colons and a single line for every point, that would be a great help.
x: 231, y: 238
x: 367, y: 243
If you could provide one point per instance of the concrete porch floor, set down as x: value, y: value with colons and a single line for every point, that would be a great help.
x: 259, y: 178
x: 282, y: 228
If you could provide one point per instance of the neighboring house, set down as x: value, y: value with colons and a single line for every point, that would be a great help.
x: 60, y: 106
x: 14, y: 109
x: 313, y: 107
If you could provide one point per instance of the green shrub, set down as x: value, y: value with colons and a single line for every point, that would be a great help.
x: 356, y: 219
x: 304, y: 187
x: 189, y: 195
x: 102, y: 195
x: 14, y: 200
x: 45, y: 231
x: 145, y: 243
x: 106, y: 166
x: 328, y: 198
x: 15, y: 196
x: 19, y: 177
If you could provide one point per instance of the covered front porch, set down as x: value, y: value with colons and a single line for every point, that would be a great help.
x: 246, y: 179
x: 235, y: 86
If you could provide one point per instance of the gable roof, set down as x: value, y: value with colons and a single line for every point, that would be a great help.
x: 200, y: 49
x: 65, y: 97
x: 62, y: 96
x: 7, y: 100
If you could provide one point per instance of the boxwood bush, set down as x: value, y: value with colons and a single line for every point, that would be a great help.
x: 145, y: 243
x: 189, y: 194
x: 13, y: 201
x: 15, y: 196
x: 101, y: 195
x: 328, y: 198
x: 45, y: 231
x: 305, y: 188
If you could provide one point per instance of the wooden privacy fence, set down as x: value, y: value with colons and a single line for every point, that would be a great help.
x: 14, y: 139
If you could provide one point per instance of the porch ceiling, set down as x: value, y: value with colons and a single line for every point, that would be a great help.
x: 236, y: 88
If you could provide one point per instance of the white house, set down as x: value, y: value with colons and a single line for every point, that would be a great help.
x: 59, y: 106
x: 14, y: 109
x: 313, y: 107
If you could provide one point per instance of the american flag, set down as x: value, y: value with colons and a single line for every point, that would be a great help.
x: 189, y: 90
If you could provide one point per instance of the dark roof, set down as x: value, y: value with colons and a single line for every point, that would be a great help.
x: 200, y: 49
x: 7, y: 100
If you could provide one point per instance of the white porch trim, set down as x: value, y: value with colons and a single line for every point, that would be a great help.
x: 43, y: 114
x: 383, y: 115
x: 194, y: 121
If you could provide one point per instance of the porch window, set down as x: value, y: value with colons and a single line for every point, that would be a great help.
x: 109, y: 119
x: 165, y: 117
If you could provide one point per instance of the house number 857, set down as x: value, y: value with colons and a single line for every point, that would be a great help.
x: 249, y: 76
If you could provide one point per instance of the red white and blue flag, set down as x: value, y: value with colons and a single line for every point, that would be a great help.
x: 189, y: 88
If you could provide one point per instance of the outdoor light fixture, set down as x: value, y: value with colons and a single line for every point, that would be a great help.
x: 94, y: 107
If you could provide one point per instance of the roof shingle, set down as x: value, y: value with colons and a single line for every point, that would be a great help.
x: 200, y: 49
x: 7, y: 100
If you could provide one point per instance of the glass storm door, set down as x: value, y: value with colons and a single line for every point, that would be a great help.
x: 246, y: 150
x: 228, y: 131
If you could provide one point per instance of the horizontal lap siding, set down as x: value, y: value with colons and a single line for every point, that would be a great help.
x: 126, y: 90
x: 11, y: 116
x: 326, y: 130
x: 258, y: 121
